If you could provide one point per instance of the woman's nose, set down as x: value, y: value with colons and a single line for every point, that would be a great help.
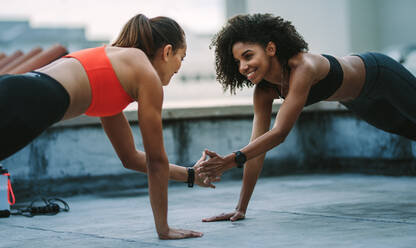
x: 243, y: 67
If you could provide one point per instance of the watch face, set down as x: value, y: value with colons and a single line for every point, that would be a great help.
x: 240, y: 158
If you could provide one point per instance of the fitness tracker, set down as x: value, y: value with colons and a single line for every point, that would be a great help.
x: 191, y: 177
x: 240, y: 158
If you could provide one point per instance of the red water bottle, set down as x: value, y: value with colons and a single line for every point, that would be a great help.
x: 6, y: 193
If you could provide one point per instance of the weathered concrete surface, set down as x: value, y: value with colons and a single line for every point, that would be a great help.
x: 294, y: 211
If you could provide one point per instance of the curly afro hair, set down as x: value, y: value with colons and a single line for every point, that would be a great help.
x: 256, y: 28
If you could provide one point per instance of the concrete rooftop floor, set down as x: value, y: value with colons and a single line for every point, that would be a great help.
x: 291, y: 211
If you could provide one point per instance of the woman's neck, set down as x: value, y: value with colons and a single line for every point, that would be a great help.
x: 275, y: 72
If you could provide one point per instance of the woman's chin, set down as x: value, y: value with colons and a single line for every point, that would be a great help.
x: 255, y: 81
x: 165, y: 82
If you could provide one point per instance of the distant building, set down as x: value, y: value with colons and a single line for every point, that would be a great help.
x: 19, y: 35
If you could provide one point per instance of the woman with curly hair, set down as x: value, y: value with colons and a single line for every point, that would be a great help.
x: 266, y: 51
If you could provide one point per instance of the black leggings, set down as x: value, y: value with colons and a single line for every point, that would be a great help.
x: 388, y: 98
x: 29, y: 104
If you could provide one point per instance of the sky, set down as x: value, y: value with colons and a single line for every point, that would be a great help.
x: 103, y: 19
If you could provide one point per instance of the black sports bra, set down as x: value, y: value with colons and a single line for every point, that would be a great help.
x: 323, y: 89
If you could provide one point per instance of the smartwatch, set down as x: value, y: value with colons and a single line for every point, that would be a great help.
x: 240, y: 158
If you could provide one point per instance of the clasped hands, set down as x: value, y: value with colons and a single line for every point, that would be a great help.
x: 210, y: 170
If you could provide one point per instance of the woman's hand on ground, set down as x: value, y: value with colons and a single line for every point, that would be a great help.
x: 180, y: 234
x: 233, y: 216
x: 202, y: 181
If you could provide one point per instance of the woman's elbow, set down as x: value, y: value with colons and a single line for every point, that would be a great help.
x: 134, y: 162
x: 125, y: 164
x: 125, y: 161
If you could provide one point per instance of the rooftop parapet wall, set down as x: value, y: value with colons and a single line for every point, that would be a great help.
x: 326, y: 138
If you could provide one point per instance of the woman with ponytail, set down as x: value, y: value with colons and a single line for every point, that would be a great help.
x: 101, y: 82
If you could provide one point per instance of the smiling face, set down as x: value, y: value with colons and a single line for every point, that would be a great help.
x: 254, y: 61
x: 168, y: 62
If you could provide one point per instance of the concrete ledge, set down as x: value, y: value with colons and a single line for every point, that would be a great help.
x: 76, y: 156
x: 202, y: 111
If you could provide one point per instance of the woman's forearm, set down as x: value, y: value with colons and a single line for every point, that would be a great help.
x: 263, y: 144
x: 178, y: 173
x: 252, y: 170
x: 158, y: 174
x: 138, y: 163
x: 255, y: 148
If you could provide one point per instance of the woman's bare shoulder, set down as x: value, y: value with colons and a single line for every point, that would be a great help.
x: 128, y: 55
x: 305, y: 60
x: 131, y: 61
x: 133, y: 68
x: 314, y: 66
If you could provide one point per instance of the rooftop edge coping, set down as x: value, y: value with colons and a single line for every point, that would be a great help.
x: 200, y: 112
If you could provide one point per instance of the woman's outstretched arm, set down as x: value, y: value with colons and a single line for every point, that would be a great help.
x: 263, y: 101
x: 119, y: 132
x: 301, y: 79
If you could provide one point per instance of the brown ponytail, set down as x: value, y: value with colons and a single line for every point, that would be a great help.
x: 151, y: 34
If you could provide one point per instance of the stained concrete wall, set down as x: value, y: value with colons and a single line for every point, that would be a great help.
x: 76, y: 156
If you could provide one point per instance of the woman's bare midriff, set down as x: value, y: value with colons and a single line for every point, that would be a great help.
x: 353, y: 81
x: 70, y: 73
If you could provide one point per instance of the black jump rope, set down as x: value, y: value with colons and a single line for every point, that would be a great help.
x: 43, y: 206
x: 51, y: 206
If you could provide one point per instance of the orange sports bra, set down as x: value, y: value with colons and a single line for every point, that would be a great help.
x: 108, y: 96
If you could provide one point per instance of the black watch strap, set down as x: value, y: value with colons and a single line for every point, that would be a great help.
x: 191, y: 176
x: 240, y: 159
